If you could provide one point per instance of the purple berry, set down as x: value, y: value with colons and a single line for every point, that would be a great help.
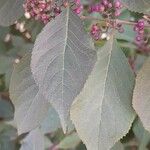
x: 42, y: 9
x: 110, y: 5
x: 138, y: 38
x: 117, y: 4
x: 95, y: 32
x: 141, y: 23
x: 121, y: 30
x: 77, y: 2
x: 141, y: 32
x: 136, y: 28
x: 97, y: 8
x: 117, y: 13
x: 105, y: 2
x: 101, y: 8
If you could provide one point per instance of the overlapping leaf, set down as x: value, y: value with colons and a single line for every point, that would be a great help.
x: 141, y: 6
x: 141, y: 95
x: 102, y: 113
x: 34, y: 141
x: 61, y: 61
x: 141, y: 134
x: 30, y: 106
x: 69, y: 142
x: 51, y: 122
x: 118, y: 146
x: 7, y: 135
x: 6, y: 109
x: 10, y: 11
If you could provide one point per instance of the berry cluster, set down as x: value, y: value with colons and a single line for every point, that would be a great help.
x: 109, y: 10
x: 119, y: 27
x: 95, y: 32
x: 43, y: 10
x: 79, y: 7
x: 107, y: 7
x: 139, y: 29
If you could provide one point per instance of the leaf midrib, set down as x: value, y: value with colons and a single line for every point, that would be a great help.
x: 107, y: 70
x: 64, y: 51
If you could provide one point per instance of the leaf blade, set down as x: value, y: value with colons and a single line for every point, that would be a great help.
x: 141, y: 95
x: 30, y: 105
x: 141, y: 6
x: 61, y: 63
x: 10, y: 11
x: 34, y: 141
x: 102, y: 98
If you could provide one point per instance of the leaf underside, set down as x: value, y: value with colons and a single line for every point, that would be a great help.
x: 33, y: 141
x: 62, y: 59
x: 30, y: 105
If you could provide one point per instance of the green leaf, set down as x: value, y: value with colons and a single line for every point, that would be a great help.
x: 141, y: 95
x: 128, y: 35
x: 3, y: 32
x: 6, y: 63
x: 69, y: 142
x: 6, y: 109
x: 61, y: 61
x: 33, y: 141
x: 52, y: 122
x: 142, y: 135
x: 7, y: 135
x: 34, y: 27
x: 140, y: 59
x: 118, y: 146
x: 10, y: 11
x: 102, y: 113
x: 141, y: 6
x: 30, y: 105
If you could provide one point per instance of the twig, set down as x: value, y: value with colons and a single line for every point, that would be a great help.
x: 111, y: 20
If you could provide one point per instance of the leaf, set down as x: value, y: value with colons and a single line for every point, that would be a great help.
x: 141, y: 95
x: 47, y: 142
x: 33, y: 141
x: 128, y: 34
x: 20, y: 47
x: 140, y: 59
x: 141, y: 6
x: 102, y: 113
x: 30, y: 105
x: 142, y: 135
x: 52, y: 122
x: 6, y: 109
x: 118, y: 146
x: 62, y: 59
x: 7, y: 135
x: 6, y: 63
x: 69, y: 142
x: 4, y: 31
x: 10, y: 11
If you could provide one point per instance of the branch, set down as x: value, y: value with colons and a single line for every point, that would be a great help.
x: 112, y: 20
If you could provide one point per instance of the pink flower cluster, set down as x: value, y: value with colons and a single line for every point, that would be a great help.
x: 42, y: 10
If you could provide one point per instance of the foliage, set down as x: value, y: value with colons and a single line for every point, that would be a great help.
x: 74, y: 74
